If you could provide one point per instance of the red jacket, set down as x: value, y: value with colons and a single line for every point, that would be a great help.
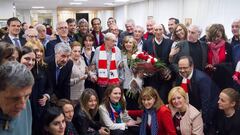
x: 164, y: 118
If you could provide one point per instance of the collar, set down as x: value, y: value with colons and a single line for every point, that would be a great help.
x: 190, y: 76
x: 4, y: 121
x: 158, y: 43
x: 68, y: 40
x: 12, y: 37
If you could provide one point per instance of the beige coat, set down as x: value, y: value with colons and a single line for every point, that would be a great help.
x: 191, y: 123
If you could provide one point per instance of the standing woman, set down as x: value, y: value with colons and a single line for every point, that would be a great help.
x: 114, y: 115
x: 186, y: 118
x: 129, y: 48
x: 156, y: 118
x: 219, y: 56
x: 85, y: 115
x: 27, y: 57
x: 83, y: 27
x: 228, y: 118
x: 42, y: 87
x: 88, y: 53
x: 78, y: 75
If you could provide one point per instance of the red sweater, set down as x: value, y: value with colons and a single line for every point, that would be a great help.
x: 164, y: 118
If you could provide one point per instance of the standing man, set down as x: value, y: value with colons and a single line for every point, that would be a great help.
x: 149, y: 34
x: 14, y: 26
x: 235, y: 31
x: 172, y: 23
x: 60, y: 68
x: 62, y: 30
x: 129, y: 25
x: 202, y: 91
x: 71, y: 22
x: 42, y: 34
x: 106, y: 59
x: 15, y: 109
x: 98, y: 35
x: 138, y: 36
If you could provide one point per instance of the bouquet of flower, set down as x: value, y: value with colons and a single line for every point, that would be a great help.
x: 146, y: 62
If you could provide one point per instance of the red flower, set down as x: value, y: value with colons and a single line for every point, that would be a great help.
x: 152, y: 61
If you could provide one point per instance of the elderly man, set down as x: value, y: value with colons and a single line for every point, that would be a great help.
x: 62, y: 30
x: 60, y: 68
x: 114, y: 29
x: 235, y: 31
x: 42, y: 34
x: 149, y: 34
x: 14, y: 25
x: 192, y: 47
x: 202, y: 91
x: 31, y: 34
x: 172, y: 23
x: 15, y: 109
x: 106, y: 59
x: 138, y: 36
x: 129, y: 25
x: 160, y: 48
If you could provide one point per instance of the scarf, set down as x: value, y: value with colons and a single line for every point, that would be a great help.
x: 214, y: 49
x: 106, y: 77
x: 115, y: 112
x: 154, y: 123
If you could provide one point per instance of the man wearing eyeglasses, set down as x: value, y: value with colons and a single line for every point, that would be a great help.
x: 14, y: 26
x: 62, y: 31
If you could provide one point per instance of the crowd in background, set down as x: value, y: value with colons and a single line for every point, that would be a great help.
x: 78, y: 80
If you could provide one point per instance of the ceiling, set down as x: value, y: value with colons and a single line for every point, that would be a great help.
x: 53, y: 4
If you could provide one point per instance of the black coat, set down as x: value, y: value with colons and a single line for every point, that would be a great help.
x: 50, y: 47
x: 61, y: 87
x: 8, y: 40
x: 82, y: 123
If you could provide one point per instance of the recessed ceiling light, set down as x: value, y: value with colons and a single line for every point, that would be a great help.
x: 109, y: 4
x: 80, y: 0
x: 38, y: 7
x: 121, y: 0
x: 75, y: 3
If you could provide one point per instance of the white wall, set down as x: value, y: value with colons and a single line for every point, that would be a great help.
x: 202, y: 12
x: 7, y: 9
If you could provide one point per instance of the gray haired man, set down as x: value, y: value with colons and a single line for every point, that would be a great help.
x: 15, y: 89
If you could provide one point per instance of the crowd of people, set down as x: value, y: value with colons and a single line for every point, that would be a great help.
x: 81, y: 81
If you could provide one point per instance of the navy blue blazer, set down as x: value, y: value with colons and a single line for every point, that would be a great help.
x: 49, y: 51
x: 61, y: 87
x: 203, y: 94
x: 8, y: 40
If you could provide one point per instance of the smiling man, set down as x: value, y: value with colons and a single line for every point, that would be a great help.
x: 15, y: 89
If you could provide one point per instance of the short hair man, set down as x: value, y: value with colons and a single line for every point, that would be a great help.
x: 62, y: 30
x: 110, y: 21
x: 235, y: 31
x: 72, y: 28
x: 42, y: 34
x: 202, y: 91
x: 15, y: 89
x: 138, y: 36
x: 60, y: 68
x: 149, y: 34
x: 172, y: 23
x: 14, y: 26
x: 98, y: 35
x: 129, y: 25
x: 106, y: 59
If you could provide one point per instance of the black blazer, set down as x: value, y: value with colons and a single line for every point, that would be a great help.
x: 8, y: 40
x: 61, y: 87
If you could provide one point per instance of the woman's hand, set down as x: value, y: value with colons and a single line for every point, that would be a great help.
x: 104, y: 131
x: 131, y: 123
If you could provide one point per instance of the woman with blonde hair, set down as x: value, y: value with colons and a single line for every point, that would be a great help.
x: 42, y: 87
x: 128, y: 49
x: 186, y: 118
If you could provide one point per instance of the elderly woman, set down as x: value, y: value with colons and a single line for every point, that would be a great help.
x: 187, y: 119
x: 78, y: 75
x: 219, y: 56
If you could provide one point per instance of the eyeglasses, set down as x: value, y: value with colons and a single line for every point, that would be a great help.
x: 32, y: 36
